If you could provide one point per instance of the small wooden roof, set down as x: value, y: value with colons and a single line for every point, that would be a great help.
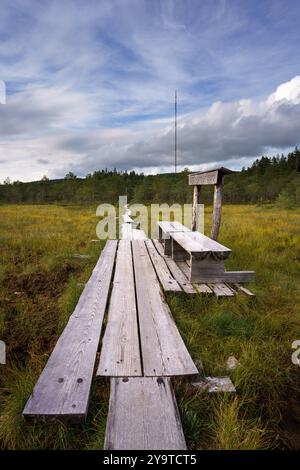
x: 209, y: 177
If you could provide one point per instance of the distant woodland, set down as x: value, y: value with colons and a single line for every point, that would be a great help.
x: 275, y: 179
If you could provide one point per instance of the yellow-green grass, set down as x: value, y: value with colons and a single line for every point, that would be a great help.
x: 41, y: 283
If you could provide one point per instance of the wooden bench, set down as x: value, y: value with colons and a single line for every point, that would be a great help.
x: 204, y: 256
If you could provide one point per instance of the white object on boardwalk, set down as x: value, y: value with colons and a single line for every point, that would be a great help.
x: 120, y: 353
x: 63, y: 388
x: 163, y: 350
x: 138, y: 234
x: 143, y: 414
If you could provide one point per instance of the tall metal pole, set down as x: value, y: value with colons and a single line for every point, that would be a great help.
x: 175, y: 131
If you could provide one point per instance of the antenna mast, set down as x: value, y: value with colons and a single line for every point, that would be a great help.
x: 175, y: 131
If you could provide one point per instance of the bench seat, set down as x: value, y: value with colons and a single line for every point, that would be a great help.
x: 204, y: 256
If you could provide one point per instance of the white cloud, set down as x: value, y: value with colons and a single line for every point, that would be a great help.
x: 90, y: 84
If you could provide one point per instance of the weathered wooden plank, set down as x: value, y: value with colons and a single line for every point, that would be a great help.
x: 221, y: 290
x: 120, y: 353
x: 169, y: 284
x: 163, y: 350
x: 238, y: 276
x: 202, y: 271
x: 217, y: 211
x: 175, y: 270
x: 201, y: 288
x: 159, y: 247
x: 143, y: 414
x: 138, y: 234
x: 244, y: 290
x: 203, y: 178
x: 210, y: 245
x: 196, y: 202
x: 188, y: 244
x: 169, y: 227
x: 208, y: 177
x: 63, y: 387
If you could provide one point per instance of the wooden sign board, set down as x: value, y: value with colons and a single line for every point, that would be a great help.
x: 199, y: 179
x: 208, y: 177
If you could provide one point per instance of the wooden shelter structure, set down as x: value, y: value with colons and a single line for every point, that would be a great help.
x: 214, y: 177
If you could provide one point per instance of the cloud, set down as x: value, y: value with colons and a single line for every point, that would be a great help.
x: 91, y: 84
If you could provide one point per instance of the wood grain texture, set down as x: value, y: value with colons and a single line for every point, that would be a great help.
x: 163, y: 350
x: 63, y: 388
x: 196, y: 201
x: 169, y: 227
x: 143, y: 414
x: 217, y: 210
x: 208, y: 244
x: 200, y: 288
x: 175, y: 271
x: 169, y: 284
x: 120, y: 352
x: 221, y: 290
x: 138, y: 234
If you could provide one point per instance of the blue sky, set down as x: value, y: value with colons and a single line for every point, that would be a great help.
x: 90, y: 84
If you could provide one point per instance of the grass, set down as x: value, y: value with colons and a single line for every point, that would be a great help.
x: 41, y: 283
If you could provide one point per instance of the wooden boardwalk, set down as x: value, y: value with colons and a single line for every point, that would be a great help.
x: 63, y: 388
x: 143, y: 414
x: 140, y: 348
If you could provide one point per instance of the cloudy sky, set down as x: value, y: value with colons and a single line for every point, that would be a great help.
x: 90, y: 84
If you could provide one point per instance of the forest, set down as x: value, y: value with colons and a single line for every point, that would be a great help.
x: 268, y: 180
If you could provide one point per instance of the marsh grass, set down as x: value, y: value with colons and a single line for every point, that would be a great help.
x: 40, y: 286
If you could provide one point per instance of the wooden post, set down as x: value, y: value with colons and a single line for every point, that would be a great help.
x: 195, y: 213
x: 217, y: 210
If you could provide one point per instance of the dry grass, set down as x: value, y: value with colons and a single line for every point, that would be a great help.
x: 40, y: 287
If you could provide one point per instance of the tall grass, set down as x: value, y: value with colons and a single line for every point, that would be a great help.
x: 41, y: 282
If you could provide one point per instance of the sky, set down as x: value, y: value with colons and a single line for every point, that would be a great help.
x: 90, y: 84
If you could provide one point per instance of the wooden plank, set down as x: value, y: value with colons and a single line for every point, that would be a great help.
x: 208, y: 177
x: 244, y: 290
x: 63, y: 387
x: 200, y: 288
x: 188, y: 244
x: 163, y: 350
x: 217, y: 211
x: 210, y: 245
x: 120, y: 353
x: 196, y: 202
x: 159, y: 247
x: 238, y: 276
x: 206, y: 269
x: 169, y: 284
x: 221, y: 290
x: 175, y: 270
x: 203, y: 289
x: 169, y: 227
x: 138, y: 234
x: 143, y: 415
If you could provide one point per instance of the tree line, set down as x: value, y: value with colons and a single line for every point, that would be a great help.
x: 268, y: 179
